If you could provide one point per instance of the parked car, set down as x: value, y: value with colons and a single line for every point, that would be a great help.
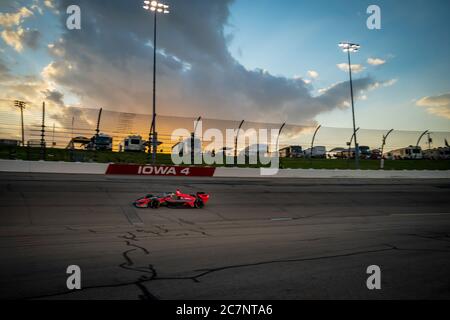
x: 316, y: 152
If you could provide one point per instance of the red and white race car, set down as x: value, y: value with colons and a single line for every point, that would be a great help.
x: 172, y: 199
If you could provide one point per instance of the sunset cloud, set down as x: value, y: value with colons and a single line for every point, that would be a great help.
x: 313, y: 74
x: 437, y: 105
x: 376, y: 61
x: 14, y: 19
x: 356, y: 68
x: 20, y: 38
x: 196, y: 72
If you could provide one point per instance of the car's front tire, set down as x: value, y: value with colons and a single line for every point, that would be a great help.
x: 136, y: 205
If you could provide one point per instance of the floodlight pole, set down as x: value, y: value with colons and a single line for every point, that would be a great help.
x: 153, y: 136
x: 353, y: 111
x: 156, y: 7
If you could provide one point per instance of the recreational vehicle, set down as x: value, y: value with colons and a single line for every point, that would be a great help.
x: 407, y: 153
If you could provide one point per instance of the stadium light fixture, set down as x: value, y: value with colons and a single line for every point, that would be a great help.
x: 156, y: 6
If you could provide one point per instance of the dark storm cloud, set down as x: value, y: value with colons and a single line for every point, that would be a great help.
x: 4, y: 71
x: 81, y: 119
x: 108, y: 64
x: 339, y: 93
x: 54, y: 96
x: 31, y: 38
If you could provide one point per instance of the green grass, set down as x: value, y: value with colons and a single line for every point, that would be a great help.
x: 142, y: 158
x: 365, y: 164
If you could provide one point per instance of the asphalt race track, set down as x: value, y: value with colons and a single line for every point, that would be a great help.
x: 257, y: 238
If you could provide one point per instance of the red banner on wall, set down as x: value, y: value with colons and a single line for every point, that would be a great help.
x: 150, y: 170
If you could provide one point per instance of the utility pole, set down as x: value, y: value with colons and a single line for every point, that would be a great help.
x: 43, y: 133
x: 21, y: 105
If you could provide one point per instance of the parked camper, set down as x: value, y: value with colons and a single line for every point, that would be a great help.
x: 388, y: 156
x: 336, y: 153
x: 364, y: 153
x: 437, y: 154
x: 100, y: 142
x: 291, y: 152
x: 317, y: 152
x: 407, y: 153
x: 133, y: 144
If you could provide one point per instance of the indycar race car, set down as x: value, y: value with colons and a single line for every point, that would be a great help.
x: 171, y: 199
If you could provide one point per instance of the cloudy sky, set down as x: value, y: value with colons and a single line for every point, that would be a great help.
x: 258, y: 60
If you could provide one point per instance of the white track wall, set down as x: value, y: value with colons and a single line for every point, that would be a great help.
x: 52, y: 167
x: 100, y: 168
x: 323, y: 173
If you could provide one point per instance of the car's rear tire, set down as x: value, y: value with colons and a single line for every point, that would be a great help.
x: 155, y: 204
x: 199, y: 203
